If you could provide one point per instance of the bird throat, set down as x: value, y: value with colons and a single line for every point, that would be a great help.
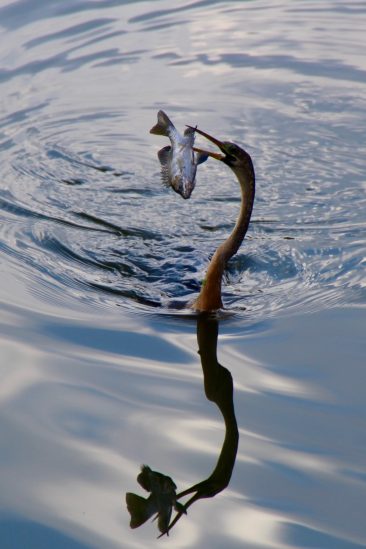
x: 209, y: 298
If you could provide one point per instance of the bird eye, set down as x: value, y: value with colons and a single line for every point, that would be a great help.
x: 231, y: 149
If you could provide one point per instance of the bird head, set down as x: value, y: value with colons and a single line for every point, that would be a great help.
x: 232, y: 155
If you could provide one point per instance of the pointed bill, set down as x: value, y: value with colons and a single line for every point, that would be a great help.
x: 213, y: 140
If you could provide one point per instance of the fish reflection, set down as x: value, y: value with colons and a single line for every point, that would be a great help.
x: 160, y: 503
x: 218, y: 385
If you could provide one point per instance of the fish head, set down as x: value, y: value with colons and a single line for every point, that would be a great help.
x: 183, y: 185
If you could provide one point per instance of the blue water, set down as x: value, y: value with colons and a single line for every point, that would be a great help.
x: 99, y: 365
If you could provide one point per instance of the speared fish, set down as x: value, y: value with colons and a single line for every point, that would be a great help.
x: 178, y: 162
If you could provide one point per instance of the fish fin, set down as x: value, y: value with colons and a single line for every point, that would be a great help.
x: 165, y: 180
x: 164, y: 158
x: 201, y: 157
x: 164, y: 123
x: 139, y: 509
x: 164, y: 155
x: 164, y: 517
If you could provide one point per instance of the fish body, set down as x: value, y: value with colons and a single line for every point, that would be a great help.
x: 178, y: 161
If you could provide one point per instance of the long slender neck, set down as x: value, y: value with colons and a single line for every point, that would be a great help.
x: 209, y: 298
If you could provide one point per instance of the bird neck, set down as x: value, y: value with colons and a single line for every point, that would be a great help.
x: 209, y: 298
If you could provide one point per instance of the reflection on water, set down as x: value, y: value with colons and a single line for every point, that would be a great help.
x: 162, y: 499
x: 218, y: 384
x: 80, y: 175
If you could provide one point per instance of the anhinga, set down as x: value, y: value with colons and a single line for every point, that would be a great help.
x: 241, y: 164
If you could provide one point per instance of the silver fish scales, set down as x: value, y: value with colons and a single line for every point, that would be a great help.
x: 178, y: 161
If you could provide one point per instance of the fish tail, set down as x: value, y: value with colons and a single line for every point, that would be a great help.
x: 163, y: 126
x: 139, y: 509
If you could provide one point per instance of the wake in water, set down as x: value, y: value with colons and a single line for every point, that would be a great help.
x: 119, y: 237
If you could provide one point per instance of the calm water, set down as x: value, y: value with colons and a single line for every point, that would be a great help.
x: 99, y: 365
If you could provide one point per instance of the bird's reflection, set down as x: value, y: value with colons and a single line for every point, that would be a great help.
x: 218, y: 384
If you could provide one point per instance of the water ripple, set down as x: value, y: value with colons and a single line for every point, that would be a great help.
x: 81, y: 181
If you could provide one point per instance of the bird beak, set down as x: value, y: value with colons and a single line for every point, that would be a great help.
x: 216, y: 142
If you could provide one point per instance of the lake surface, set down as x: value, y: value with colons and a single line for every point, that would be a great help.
x: 100, y: 370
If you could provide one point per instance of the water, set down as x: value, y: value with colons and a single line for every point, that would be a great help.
x: 99, y: 364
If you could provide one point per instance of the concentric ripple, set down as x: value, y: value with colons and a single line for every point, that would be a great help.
x: 121, y: 238
x: 82, y: 206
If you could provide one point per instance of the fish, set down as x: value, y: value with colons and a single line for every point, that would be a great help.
x: 162, y: 500
x: 178, y: 161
